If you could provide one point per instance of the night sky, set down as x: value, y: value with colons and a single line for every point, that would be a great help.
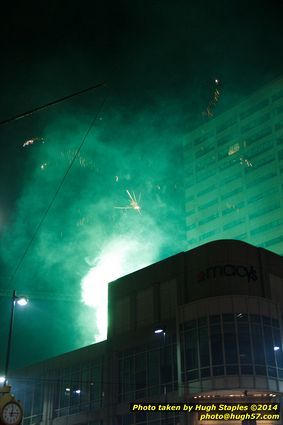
x: 159, y: 60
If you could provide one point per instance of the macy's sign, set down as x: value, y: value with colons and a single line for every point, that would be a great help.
x: 213, y: 272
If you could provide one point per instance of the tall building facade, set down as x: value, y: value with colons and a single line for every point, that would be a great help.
x: 220, y: 308
x: 234, y: 174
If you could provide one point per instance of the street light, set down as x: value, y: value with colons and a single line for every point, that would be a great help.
x: 160, y: 330
x: 21, y: 301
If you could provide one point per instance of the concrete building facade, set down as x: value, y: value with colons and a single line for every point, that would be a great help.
x: 234, y: 174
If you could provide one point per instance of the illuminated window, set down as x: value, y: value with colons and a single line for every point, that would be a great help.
x: 233, y: 149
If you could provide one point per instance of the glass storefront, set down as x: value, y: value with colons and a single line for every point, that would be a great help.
x: 231, y: 344
x: 148, y: 371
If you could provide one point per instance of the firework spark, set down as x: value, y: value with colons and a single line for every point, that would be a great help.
x: 32, y: 141
x: 245, y: 162
x: 213, y: 100
x: 134, y: 203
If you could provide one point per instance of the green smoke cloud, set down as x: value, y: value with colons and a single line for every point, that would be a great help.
x: 92, y: 220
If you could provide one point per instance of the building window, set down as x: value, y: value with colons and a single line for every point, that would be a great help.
x: 234, y: 149
x: 204, y: 150
x: 231, y: 344
x: 244, y: 341
x: 255, y: 123
x: 31, y: 394
x: 254, y: 108
x: 205, y: 236
x: 226, y: 125
x: 260, y: 149
x: 206, y: 174
x: 232, y: 193
x: 265, y: 210
x: 80, y: 388
x: 208, y: 219
x: 146, y: 371
x: 261, y: 179
x: 274, y: 241
x: 234, y: 223
x: 266, y: 227
x: 208, y: 189
x: 208, y: 204
x: 258, y: 136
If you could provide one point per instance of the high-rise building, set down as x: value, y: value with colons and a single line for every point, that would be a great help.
x: 234, y: 174
x: 218, y: 309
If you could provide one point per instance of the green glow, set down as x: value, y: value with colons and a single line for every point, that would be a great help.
x: 119, y: 257
x: 87, y: 240
x: 94, y: 289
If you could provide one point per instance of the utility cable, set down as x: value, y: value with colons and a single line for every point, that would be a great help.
x: 54, y: 102
x: 59, y: 186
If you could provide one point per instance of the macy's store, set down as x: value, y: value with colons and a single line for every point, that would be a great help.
x: 221, y: 305
x: 219, y: 310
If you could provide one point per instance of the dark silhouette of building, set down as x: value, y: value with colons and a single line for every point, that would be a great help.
x: 219, y: 311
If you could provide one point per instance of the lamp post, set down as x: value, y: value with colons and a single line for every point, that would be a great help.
x: 21, y: 301
x: 159, y: 330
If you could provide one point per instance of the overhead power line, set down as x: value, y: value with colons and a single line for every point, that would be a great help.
x: 60, y: 184
x: 46, y: 105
